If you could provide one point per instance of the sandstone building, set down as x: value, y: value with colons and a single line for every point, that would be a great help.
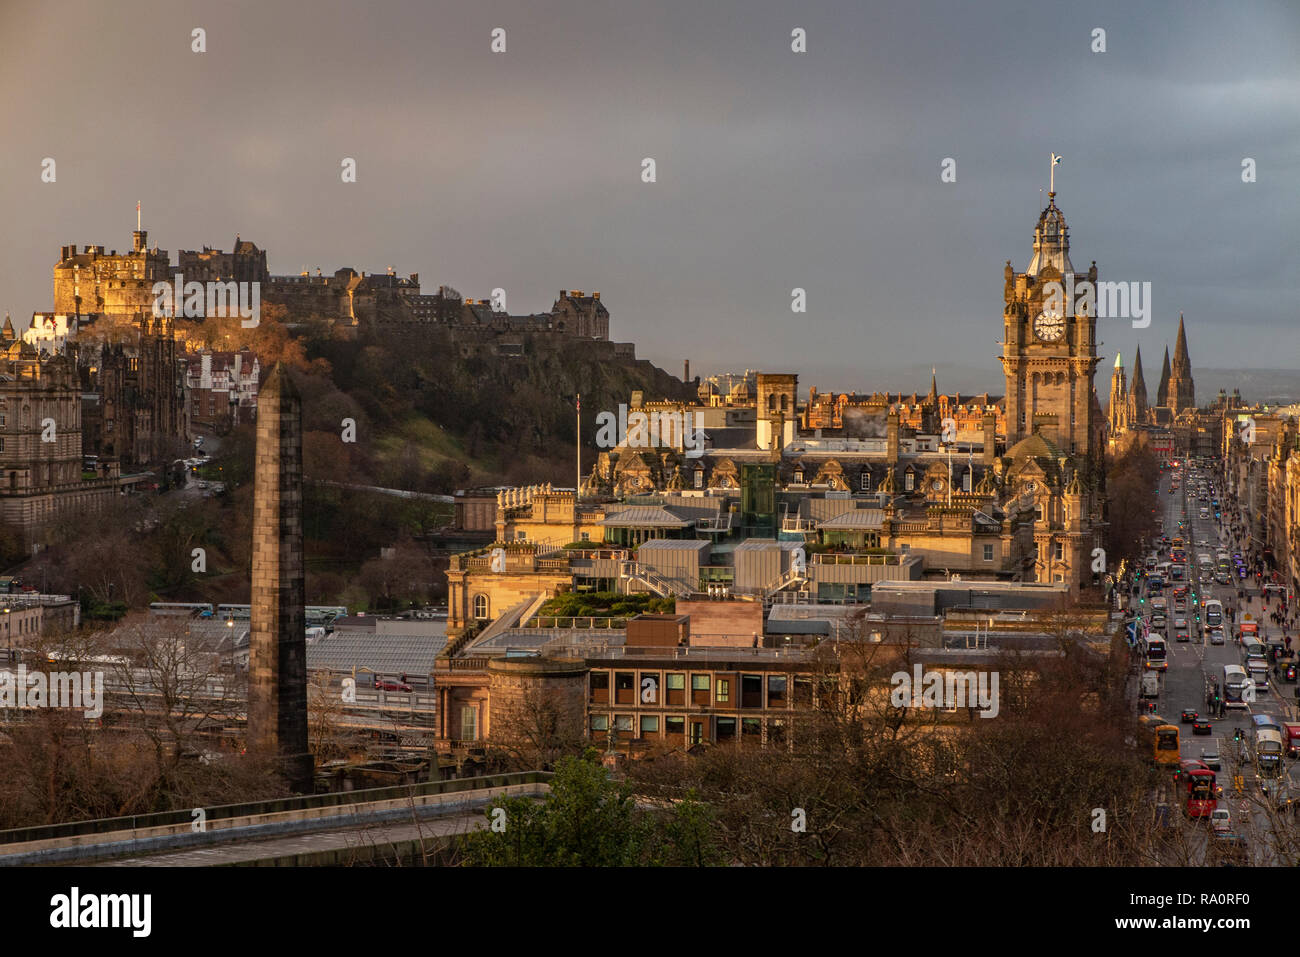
x: 42, y: 478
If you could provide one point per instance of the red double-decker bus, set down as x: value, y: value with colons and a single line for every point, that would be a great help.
x: 1199, y: 783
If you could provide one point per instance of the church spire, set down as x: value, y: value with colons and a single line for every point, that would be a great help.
x: 1118, y: 403
x: 1162, y: 393
x: 1182, y: 390
x: 1137, y: 391
x: 1182, y: 362
x: 933, y: 397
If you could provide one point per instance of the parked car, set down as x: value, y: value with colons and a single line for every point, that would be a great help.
x: 391, y: 684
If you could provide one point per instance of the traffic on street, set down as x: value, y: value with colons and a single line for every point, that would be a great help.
x: 1216, y: 679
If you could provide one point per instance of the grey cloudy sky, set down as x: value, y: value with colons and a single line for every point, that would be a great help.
x: 775, y: 169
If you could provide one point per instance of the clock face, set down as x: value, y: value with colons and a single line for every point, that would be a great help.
x: 937, y: 485
x: 1049, y: 328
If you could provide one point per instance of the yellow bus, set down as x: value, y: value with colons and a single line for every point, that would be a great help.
x: 1164, y: 740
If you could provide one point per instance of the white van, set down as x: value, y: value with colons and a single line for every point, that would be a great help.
x: 1257, y: 668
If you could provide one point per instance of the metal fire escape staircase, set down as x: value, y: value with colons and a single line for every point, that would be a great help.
x: 795, y: 575
x: 629, y: 572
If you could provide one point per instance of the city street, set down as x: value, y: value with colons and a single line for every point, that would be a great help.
x: 1196, y: 662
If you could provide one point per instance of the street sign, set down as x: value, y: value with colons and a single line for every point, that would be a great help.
x: 1132, y: 632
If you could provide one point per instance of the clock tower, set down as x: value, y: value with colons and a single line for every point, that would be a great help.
x: 1049, y: 346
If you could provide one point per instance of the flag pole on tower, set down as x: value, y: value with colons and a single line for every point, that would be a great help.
x: 137, y: 215
x: 1056, y: 161
x: 577, y: 488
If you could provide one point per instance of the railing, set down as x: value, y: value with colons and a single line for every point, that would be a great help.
x: 598, y: 554
x: 799, y: 525
x: 664, y: 587
x: 705, y: 654
x: 853, y: 558
x: 580, y: 621
x: 791, y: 598
x: 475, y: 663
x: 548, y: 547
x: 795, y: 575
x: 183, y: 818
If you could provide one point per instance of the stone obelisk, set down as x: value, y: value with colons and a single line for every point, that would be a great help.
x: 277, y: 686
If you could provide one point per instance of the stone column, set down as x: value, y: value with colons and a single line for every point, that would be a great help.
x: 277, y: 691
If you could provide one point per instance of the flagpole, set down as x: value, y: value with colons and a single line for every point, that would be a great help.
x: 577, y: 487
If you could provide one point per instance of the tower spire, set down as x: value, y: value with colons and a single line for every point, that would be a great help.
x: 1182, y: 362
x: 1182, y: 390
x: 140, y: 238
x: 1162, y: 392
x: 1137, y: 391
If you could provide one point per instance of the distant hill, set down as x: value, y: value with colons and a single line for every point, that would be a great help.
x: 1272, y: 386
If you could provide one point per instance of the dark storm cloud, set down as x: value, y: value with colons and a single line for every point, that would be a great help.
x: 775, y: 169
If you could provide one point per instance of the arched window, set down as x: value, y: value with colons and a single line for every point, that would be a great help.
x: 480, y: 607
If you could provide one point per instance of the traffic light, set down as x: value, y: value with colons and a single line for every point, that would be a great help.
x: 1236, y: 734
